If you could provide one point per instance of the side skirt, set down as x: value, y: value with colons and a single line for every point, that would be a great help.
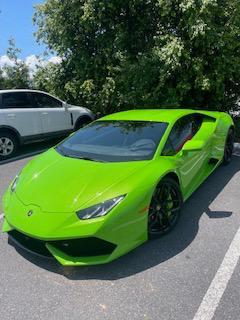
x: 44, y: 136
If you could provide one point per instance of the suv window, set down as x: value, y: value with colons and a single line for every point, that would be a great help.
x: 44, y: 101
x: 16, y: 100
x: 183, y: 130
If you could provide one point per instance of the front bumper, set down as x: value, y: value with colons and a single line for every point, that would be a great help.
x: 70, y: 241
x: 81, y: 251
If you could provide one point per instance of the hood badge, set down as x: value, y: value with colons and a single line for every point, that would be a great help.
x: 29, y: 213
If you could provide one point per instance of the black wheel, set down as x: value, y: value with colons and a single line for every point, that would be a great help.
x: 229, y: 145
x: 165, y: 208
x: 8, y: 145
x: 82, y: 122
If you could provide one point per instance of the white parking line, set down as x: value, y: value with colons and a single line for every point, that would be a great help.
x: 217, y: 287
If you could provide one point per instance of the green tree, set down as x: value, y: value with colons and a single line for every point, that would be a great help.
x: 45, y: 78
x: 144, y: 53
x: 16, y: 74
x: 2, y: 81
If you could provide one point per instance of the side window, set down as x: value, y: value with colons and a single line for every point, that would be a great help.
x: 16, y: 100
x: 197, y: 122
x: 183, y: 130
x: 45, y: 101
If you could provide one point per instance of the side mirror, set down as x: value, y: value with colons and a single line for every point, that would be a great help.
x: 65, y: 105
x: 193, y: 145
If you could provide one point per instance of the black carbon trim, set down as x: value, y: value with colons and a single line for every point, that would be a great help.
x: 81, y: 247
x: 29, y: 244
x: 84, y: 247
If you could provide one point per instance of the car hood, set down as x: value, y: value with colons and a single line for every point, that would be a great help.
x: 60, y: 184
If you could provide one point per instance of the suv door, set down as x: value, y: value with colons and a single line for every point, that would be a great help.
x: 189, y: 163
x: 53, y: 115
x: 21, y: 114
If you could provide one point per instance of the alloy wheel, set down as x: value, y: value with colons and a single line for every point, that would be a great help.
x: 164, y: 208
x: 6, y: 146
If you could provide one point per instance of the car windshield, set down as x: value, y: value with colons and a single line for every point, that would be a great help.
x: 114, y: 141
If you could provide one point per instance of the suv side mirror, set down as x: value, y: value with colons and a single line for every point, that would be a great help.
x: 65, y: 106
x: 193, y: 145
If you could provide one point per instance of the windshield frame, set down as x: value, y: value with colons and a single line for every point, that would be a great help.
x: 88, y: 157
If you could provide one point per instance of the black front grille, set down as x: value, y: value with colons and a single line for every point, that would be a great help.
x: 81, y: 247
x: 29, y: 243
x: 84, y: 247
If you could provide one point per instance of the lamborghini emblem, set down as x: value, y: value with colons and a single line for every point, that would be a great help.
x: 29, y: 213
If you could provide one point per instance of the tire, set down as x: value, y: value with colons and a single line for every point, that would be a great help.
x: 165, y: 208
x: 8, y: 145
x: 81, y: 122
x: 228, y: 149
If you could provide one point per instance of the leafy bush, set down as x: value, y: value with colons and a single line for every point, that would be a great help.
x: 135, y: 53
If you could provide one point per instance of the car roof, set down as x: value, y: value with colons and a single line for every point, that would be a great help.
x: 159, y: 115
x: 28, y: 90
x: 20, y: 90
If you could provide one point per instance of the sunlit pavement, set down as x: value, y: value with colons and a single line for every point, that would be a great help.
x: 164, y: 279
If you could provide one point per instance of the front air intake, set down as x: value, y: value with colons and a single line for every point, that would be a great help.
x: 84, y: 247
x: 81, y: 247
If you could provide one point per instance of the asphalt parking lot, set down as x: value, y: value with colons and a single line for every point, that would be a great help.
x: 191, y: 273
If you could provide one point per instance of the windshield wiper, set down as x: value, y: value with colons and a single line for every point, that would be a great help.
x: 70, y: 155
x: 87, y: 158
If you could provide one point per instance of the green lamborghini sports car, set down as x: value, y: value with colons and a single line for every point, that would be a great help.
x: 115, y: 183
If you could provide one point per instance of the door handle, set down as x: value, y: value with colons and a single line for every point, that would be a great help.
x: 11, y: 115
x: 44, y: 113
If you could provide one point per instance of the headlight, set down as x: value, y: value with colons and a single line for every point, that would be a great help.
x: 99, y: 210
x: 14, y: 183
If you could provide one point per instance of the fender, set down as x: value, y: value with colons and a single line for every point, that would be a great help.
x: 9, y: 128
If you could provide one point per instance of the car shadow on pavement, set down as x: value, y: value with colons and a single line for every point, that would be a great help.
x: 33, y: 149
x: 156, y: 251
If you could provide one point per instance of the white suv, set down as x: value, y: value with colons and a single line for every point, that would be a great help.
x: 29, y: 115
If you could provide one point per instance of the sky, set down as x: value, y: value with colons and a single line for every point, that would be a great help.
x: 16, y: 22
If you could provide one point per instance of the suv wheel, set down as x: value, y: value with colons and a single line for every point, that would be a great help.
x: 8, y: 145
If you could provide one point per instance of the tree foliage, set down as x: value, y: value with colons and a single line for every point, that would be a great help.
x: 16, y: 74
x: 143, y: 53
x: 46, y: 78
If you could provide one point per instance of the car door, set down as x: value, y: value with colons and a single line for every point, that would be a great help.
x: 54, y: 116
x: 188, y: 164
x: 20, y: 113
